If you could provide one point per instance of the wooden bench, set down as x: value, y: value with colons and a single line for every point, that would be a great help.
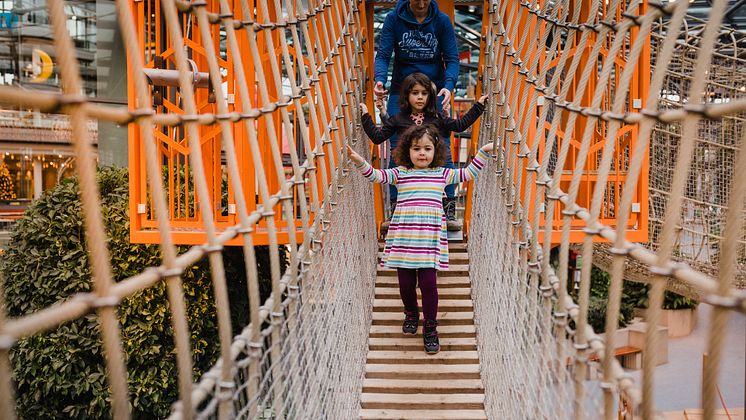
x: 629, y: 357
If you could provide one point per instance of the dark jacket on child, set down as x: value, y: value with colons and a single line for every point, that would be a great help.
x: 401, y: 121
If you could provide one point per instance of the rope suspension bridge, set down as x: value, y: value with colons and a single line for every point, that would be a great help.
x: 589, y: 101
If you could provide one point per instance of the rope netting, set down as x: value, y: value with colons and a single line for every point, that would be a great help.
x: 303, y: 352
x: 718, y: 141
x: 566, y: 69
x: 312, y: 353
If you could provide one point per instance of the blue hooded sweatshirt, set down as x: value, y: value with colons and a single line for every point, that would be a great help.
x: 428, y: 47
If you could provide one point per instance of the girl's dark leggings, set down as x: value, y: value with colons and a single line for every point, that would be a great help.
x: 408, y: 279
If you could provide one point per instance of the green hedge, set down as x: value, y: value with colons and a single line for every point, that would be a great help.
x: 60, y: 373
x: 637, y: 294
x: 599, y: 301
x: 634, y: 295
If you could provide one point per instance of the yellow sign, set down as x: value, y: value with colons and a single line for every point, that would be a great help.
x: 41, y: 66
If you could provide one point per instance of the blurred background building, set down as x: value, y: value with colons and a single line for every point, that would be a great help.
x: 36, y: 148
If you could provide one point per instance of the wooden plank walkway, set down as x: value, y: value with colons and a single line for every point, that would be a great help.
x: 401, y: 380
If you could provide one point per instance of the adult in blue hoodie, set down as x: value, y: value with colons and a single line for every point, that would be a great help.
x: 421, y: 39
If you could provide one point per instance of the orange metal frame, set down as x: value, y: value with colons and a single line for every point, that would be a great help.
x: 173, y: 147
x: 626, y: 140
x: 175, y: 154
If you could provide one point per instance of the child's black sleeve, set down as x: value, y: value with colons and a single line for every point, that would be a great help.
x: 461, y: 124
x: 378, y: 135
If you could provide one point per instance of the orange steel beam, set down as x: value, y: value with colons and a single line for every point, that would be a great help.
x: 367, y: 14
x: 174, y: 150
x: 626, y: 138
x: 479, y: 91
x: 172, y: 145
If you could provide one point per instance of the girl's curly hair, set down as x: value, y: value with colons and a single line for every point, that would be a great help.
x: 414, y: 133
x: 408, y: 84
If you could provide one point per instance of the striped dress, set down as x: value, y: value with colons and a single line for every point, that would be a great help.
x: 417, y: 236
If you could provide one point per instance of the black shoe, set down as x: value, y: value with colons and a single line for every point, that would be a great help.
x: 449, y: 207
x: 430, y: 336
x: 411, y: 320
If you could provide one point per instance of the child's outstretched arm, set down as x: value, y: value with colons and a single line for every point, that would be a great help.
x: 376, y: 135
x: 460, y: 124
x: 454, y: 176
x: 356, y: 158
x: 381, y: 176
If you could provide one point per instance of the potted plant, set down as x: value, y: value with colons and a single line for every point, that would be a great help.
x: 678, y: 312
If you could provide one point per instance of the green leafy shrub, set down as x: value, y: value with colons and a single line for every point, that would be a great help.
x: 61, y: 373
x: 637, y: 295
x: 600, y: 282
x: 634, y: 295
x: 673, y: 300
x: 599, y: 302
x: 235, y: 272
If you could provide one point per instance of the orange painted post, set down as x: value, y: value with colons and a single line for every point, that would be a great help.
x: 641, y: 86
x: 173, y: 148
x: 367, y: 14
x: 479, y: 91
x: 328, y: 87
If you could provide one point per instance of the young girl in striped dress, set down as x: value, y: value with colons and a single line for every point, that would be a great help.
x: 417, y: 240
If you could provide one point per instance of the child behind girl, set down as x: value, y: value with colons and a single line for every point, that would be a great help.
x: 417, y: 240
x: 417, y: 102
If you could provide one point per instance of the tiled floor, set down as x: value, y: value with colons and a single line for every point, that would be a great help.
x: 678, y: 382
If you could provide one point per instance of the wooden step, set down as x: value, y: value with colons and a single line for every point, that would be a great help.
x: 408, y: 371
x: 457, y: 246
x: 444, y: 305
x: 422, y: 401
x: 414, y: 343
x: 384, y: 414
x: 423, y: 386
x: 392, y: 292
x: 401, y: 380
x: 443, y: 282
x: 420, y: 357
x: 394, y: 331
x: 454, y: 270
x: 444, y: 318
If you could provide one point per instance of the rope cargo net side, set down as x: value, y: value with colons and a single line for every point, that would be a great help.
x: 537, y: 351
x: 302, y: 355
x: 706, y: 196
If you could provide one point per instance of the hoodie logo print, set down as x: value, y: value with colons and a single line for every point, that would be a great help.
x: 415, y: 44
